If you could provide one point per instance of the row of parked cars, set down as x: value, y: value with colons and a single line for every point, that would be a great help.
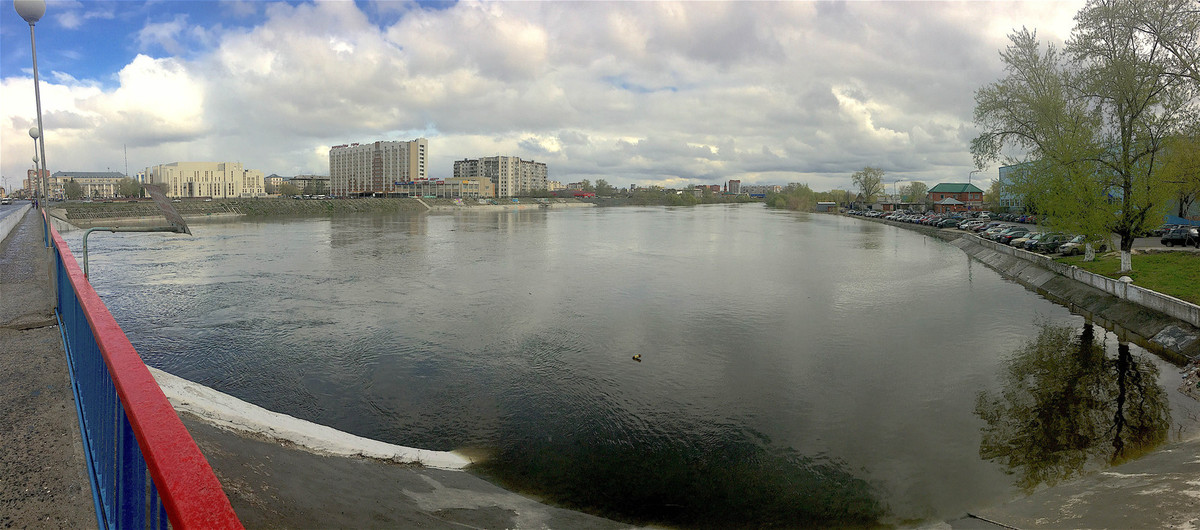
x: 1185, y: 235
x: 999, y: 229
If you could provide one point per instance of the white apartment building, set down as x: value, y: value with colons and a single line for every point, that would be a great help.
x: 219, y: 180
x: 511, y: 175
x: 95, y: 184
x: 357, y: 169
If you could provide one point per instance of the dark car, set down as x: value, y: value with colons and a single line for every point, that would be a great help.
x: 1010, y: 235
x: 1183, y: 235
x: 1051, y: 242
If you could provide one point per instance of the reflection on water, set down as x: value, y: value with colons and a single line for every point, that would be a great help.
x: 1066, y: 404
x: 797, y: 370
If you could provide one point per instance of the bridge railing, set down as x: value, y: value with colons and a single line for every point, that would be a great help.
x: 145, y: 469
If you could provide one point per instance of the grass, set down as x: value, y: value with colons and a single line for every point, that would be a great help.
x: 1171, y: 273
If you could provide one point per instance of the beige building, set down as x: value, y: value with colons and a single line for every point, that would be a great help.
x: 219, y: 180
x: 95, y: 184
x: 511, y: 175
x: 376, y: 168
x: 466, y: 188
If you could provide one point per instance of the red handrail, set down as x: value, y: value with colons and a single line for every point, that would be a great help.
x: 190, y: 492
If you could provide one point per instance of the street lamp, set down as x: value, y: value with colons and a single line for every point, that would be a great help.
x: 37, y: 174
x: 32, y: 11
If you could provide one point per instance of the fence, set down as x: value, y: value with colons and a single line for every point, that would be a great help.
x: 1168, y: 305
x: 144, y: 467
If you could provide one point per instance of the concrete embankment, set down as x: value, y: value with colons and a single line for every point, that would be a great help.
x: 1166, y: 325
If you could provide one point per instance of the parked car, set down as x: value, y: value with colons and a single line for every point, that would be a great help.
x: 1162, y: 230
x: 1008, y: 236
x: 1182, y: 235
x: 5, y: 200
x: 1077, y: 246
x: 1020, y: 241
x: 1050, y: 243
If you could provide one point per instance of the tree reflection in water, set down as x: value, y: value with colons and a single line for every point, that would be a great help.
x: 1064, y: 403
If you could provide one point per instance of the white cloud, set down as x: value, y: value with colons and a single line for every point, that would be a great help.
x: 630, y: 92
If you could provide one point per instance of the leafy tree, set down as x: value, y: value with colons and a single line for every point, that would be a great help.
x: 128, y: 187
x: 73, y: 189
x: 915, y: 191
x: 869, y: 182
x: 288, y: 189
x: 587, y: 185
x: 314, y: 187
x: 1181, y: 169
x: 794, y: 196
x: 1092, y: 124
x: 603, y: 188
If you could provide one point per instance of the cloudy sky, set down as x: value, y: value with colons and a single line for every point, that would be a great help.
x: 631, y: 92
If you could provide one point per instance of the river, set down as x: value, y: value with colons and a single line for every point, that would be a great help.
x: 792, y: 369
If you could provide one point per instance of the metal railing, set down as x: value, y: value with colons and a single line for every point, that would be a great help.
x: 145, y: 469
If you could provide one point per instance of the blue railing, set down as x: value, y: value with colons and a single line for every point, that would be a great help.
x: 144, y: 467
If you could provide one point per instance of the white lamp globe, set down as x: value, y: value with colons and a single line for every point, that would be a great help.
x: 30, y: 10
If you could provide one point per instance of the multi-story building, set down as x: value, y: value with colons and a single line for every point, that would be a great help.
x: 376, y: 168
x: 733, y: 187
x: 95, y: 184
x: 511, y: 175
x: 219, y: 180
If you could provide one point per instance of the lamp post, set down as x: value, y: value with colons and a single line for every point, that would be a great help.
x: 37, y: 173
x: 32, y: 11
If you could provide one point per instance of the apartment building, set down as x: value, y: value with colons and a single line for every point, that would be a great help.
x: 219, y: 180
x: 511, y: 176
x: 95, y: 184
x: 376, y: 168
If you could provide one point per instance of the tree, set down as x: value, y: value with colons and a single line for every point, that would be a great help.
x: 72, y: 189
x: 1092, y: 124
x: 603, y: 188
x: 586, y: 185
x: 1181, y: 169
x: 314, y: 187
x: 128, y: 187
x: 794, y: 196
x: 915, y: 191
x: 869, y: 182
x: 288, y: 189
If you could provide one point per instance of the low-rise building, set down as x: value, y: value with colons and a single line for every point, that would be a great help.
x: 955, y: 197
x: 451, y: 188
x: 206, y: 179
x: 94, y: 184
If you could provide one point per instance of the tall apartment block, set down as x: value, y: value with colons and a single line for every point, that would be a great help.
x: 511, y: 175
x: 206, y: 179
x: 357, y: 169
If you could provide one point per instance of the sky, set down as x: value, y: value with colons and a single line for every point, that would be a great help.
x: 645, y: 93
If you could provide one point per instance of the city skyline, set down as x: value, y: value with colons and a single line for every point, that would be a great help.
x: 634, y: 93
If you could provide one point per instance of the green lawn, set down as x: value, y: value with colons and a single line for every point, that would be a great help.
x: 1173, y: 273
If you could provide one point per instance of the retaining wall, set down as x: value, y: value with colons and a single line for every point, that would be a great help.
x: 1154, y: 320
x: 10, y: 221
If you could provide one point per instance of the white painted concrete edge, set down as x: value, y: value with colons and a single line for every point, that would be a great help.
x: 10, y: 221
x: 231, y: 413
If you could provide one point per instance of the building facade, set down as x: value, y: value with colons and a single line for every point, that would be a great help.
x: 218, y: 180
x: 956, y: 197
x: 452, y: 188
x: 1007, y: 200
x: 733, y: 187
x: 510, y: 175
x: 95, y: 184
x: 376, y: 168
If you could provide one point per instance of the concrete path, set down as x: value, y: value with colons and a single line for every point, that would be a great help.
x: 43, y: 483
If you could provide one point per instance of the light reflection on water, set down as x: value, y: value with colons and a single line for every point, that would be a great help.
x: 795, y: 369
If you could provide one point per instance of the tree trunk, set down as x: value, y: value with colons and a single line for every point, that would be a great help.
x: 1089, y: 252
x: 1126, y: 253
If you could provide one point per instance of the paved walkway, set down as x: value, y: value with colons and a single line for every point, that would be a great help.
x: 42, y: 479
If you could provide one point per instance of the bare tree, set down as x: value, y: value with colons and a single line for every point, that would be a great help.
x: 869, y: 182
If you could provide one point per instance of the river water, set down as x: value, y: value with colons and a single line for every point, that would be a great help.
x: 794, y: 369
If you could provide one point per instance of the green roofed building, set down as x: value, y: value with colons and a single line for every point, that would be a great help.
x: 956, y: 197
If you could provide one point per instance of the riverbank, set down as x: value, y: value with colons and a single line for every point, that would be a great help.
x: 1154, y: 324
x: 79, y: 214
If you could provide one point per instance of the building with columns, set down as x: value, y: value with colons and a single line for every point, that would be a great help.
x: 218, y: 180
